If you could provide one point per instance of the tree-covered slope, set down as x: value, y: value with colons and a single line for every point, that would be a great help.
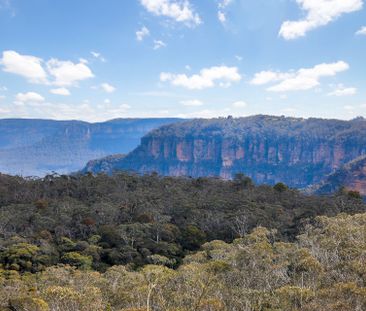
x: 322, y: 270
x: 125, y: 219
x: 351, y: 176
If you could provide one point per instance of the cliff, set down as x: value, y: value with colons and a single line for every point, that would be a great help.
x: 351, y: 176
x: 38, y: 147
x: 269, y: 149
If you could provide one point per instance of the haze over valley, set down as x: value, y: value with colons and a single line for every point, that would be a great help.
x: 182, y: 155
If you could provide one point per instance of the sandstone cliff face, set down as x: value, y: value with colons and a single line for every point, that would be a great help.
x: 268, y: 149
x: 351, y: 176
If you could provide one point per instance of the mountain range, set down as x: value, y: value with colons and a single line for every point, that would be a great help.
x: 319, y: 155
x: 38, y: 147
x: 269, y: 149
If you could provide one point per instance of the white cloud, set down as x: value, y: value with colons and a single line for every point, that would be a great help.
x: 343, y: 91
x: 142, y: 33
x: 221, y: 16
x: 67, y: 73
x: 98, y: 55
x: 303, y: 79
x: 221, y: 13
x: 361, y: 31
x: 3, y: 88
x: 239, y: 58
x: 192, y: 103
x: 54, y: 72
x: 83, y: 61
x: 107, y: 101
x: 107, y: 88
x: 319, y: 13
x: 225, y: 3
x: 27, y: 66
x: 159, y: 44
x: 30, y: 97
x: 2, y: 97
x: 180, y: 11
x: 239, y: 104
x: 207, y: 78
x: 265, y: 77
x: 60, y: 91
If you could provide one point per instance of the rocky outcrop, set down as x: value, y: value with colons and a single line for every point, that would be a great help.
x: 103, y: 165
x: 268, y: 149
x: 351, y: 176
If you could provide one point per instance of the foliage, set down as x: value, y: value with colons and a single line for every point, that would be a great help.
x: 322, y: 270
x: 99, y: 221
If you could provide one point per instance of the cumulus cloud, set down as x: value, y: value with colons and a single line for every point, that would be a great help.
x: 318, y: 13
x: 54, y: 72
x: 207, y: 78
x: 142, y: 33
x: 106, y: 87
x: 265, y: 77
x: 361, y: 31
x: 30, y: 97
x: 341, y: 90
x: 67, y: 73
x: 60, y: 91
x: 159, y: 44
x: 27, y: 66
x: 180, y: 11
x: 302, y: 79
x: 192, y: 103
x: 221, y: 16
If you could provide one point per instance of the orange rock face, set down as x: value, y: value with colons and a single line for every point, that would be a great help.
x: 268, y: 149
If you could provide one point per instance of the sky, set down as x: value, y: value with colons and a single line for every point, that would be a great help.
x: 96, y: 60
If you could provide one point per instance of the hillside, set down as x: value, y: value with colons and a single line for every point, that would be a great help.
x: 269, y: 149
x: 37, y: 147
x: 352, y: 176
x: 132, y: 217
x: 127, y: 242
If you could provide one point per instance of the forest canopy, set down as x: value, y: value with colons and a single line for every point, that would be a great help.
x: 130, y: 242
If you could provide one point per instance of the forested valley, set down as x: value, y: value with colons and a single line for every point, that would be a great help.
x: 130, y: 242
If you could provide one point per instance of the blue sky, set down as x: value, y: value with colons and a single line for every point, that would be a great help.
x: 97, y: 60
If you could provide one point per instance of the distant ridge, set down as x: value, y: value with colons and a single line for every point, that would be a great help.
x: 35, y: 147
x: 269, y: 149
